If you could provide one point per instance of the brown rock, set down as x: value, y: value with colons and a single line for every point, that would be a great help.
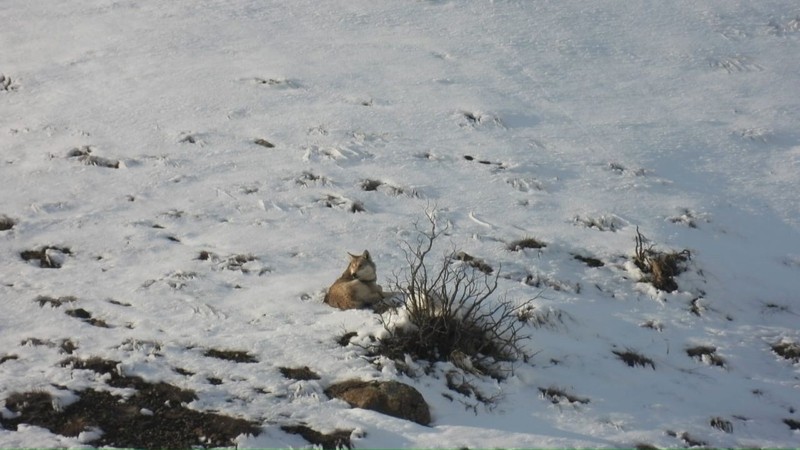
x: 387, y: 397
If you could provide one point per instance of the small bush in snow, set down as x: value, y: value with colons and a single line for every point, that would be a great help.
x: 659, y: 268
x: 448, y: 311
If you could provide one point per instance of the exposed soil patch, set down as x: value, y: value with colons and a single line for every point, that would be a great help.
x: 524, y: 243
x: 155, y: 416
x: 6, y: 223
x: 86, y: 316
x: 344, y: 340
x: 5, y: 358
x: 64, y: 345
x: 722, y: 424
x: 84, y: 155
x: 330, y: 441
x: 589, y: 261
x: 6, y: 85
x: 264, y: 143
x: 152, y: 418
x: 231, y: 355
x: 787, y: 350
x: 556, y: 395
x: 298, y: 373
x: 54, y: 302
x: 659, y: 268
x: 706, y: 354
x: 634, y: 359
x: 687, y: 439
x: 48, y: 257
x: 474, y: 262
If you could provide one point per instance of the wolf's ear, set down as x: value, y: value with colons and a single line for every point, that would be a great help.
x: 352, y: 256
x: 366, y: 255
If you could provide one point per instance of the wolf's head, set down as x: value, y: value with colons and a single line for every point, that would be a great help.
x: 361, y: 267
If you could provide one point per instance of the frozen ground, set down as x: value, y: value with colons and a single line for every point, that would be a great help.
x: 128, y: 137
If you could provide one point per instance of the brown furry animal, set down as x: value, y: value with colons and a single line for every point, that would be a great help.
x: 356, y: 288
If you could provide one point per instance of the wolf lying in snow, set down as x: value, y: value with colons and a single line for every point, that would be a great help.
x: 356, y: 288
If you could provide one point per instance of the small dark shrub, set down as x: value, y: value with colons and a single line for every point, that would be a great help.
x: 659, y: 268
x: 706, y: 354
x: 557, y: 395
x: 54, y: 302
x: 230, y: 355
x: 298, y: 373
x: 722, y: 424
x: 451, y: 311
x: 48, y: 257
x: 344, y: 340
x: 787, y: 350
x: 264, y: 143
x: 6, y: 223
x: 634, y: 359
x: 589, y: 261
x: 337, y: 440
x: 524, y: 243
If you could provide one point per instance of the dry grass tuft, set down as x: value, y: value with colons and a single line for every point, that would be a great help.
x: 298, y: 373
x: 231, y: 355
x: 527, y: 242
x: 633, y: 359
x: 331, y: 441
x: 659, y: 268
x: 787, y: 350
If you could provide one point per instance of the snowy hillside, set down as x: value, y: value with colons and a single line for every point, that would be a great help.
x: 182, y: 181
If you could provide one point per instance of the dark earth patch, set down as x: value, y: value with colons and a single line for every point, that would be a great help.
x: 298, y: 373
x: 48, y: 257
x: 331, y: 441
x: 154, y: 417
x: 634, y: 359
x: 231, y: 355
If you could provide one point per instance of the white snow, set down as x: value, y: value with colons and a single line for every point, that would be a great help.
x: 582, y: 120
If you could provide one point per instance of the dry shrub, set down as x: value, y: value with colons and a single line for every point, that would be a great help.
x: 449, y: 312
x: 659, y: 268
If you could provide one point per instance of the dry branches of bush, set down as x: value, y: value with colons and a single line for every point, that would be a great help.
x: 448, y: 311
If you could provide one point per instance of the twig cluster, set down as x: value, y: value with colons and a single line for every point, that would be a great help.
x: 451, y: 311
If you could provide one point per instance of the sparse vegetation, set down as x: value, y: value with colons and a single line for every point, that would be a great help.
x: 473, y: 262
x: 5, y: 358
x: 634, y: 359
x: 264, y: 143
x: 524, y: 243
x: 706, y: 354
x: 722, y: 424
x: 787, y: 350
x: 338, y: 439
x: 84, y: 155
x: 589, y: 261
x: 48, y: 257
x: 6, y: 223
x: 6, y: 85
x: 298, y: 373
x: 451, y: 310
x: 557, y: 395
x: 659, y: 268
x: 54, y: 302
x: 230, y: 355
x: 344, y: 339
x: 86, y: 316
x: 153, y: 417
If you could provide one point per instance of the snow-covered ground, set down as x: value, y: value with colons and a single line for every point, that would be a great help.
x: 573, y: 122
